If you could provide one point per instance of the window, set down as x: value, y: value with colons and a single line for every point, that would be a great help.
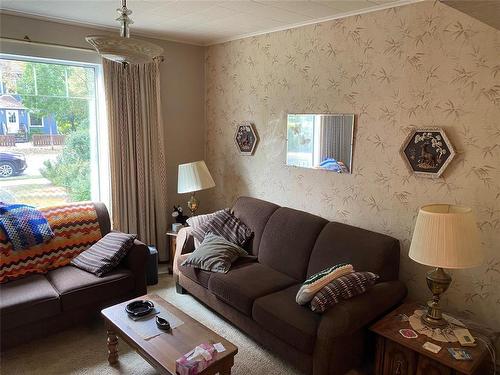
x: 36, y: 121
x: 12, y: 117
x: 60, y: 158
x: 300, y: 136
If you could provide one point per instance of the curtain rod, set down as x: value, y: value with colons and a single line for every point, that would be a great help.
x: 27, y: 40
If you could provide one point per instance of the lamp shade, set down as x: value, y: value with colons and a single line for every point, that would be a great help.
x: 194, y: 177
x: 446, y: 236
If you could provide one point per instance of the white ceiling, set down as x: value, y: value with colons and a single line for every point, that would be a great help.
x: 198, y: 22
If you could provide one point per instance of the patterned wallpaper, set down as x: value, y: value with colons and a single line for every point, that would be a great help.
x: 419, y: 65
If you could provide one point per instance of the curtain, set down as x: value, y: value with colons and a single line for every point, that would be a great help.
x: 336, y: 138
x: 137, y: 152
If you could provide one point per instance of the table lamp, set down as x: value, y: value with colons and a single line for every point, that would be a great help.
x: 445, y: 236
x: 194, y: 177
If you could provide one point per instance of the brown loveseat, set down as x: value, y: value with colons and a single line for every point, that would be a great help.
x: 259, y: 296
x: 37, y: 305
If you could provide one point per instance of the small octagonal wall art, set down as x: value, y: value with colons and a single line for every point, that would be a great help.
x: 427, y: 152
x: 246, y: 138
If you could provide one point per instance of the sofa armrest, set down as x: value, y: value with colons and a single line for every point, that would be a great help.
x: 355, y: 313
x: 135, y: 261
x: 340, y: 332
x: 184, y: 245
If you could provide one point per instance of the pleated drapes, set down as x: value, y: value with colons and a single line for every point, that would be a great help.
x: 137, y: 152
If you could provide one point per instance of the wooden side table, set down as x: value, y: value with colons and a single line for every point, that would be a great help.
x: 172, y: 244
x: 397, y: 355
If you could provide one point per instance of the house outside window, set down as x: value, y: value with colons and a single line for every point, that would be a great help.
x: 35, y: 121
x: 55, y: 110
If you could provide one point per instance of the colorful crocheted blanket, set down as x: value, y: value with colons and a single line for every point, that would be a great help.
x: 76, y: 228
x: 24, y: 225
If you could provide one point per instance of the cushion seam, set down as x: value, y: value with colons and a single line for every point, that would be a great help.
x: 263, y: 229
x: 4, y: 310
x: 89, y: 286
x: 314, y: 246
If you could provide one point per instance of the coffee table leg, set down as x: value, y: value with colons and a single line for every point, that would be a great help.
x: 226, y: 370
x: 112, y: 347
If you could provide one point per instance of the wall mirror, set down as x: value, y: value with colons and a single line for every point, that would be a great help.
x: 320, y: 141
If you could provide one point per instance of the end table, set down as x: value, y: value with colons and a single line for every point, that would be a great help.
x: 397, y: 355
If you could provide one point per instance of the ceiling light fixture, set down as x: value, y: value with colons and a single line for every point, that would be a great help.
x: 123, y: 48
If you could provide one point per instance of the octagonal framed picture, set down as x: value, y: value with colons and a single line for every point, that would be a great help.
x: 427, y: 152
x: 246, y: 138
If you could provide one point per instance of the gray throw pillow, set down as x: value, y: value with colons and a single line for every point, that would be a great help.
x: 103, y: 256
x: 215, y: 254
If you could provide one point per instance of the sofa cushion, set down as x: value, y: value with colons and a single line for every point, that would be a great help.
x: 365, y: 250
x: 26, y: 300
x: 200, y: 276
x: 79, y: 288
x: 254, y: 213
x: 282, y: 316
x: 288, y: 240
x: 242, y: 285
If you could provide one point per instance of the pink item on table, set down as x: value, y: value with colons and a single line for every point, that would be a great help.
x: 196, y: 360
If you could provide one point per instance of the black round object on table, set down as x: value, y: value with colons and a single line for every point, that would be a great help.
x: 162, y: 323
x: 139, y: 308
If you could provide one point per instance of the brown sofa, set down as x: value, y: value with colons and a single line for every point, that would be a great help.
x: 37, y: 305
x: 259, y: 296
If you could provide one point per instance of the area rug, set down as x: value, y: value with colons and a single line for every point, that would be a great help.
x: 82, y: 350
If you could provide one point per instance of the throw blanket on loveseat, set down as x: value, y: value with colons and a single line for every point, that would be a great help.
x: 24, y: 226
x: 75, y: 228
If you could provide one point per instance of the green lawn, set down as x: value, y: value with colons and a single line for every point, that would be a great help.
x: 38, y: 195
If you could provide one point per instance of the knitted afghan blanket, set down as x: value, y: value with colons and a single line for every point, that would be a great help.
x: 75, y: 228
x: 24, y: 225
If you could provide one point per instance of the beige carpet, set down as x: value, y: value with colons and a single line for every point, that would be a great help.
x: 82, y: 350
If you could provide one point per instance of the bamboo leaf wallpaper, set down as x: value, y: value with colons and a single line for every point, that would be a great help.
x: 421, y: 65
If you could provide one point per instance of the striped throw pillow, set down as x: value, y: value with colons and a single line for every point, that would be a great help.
x: 343, y: 288
x: 199, y: 225
x: 317, y: 281
x: 198, y: 220
x: 105, y: 254
x: 228, y: 226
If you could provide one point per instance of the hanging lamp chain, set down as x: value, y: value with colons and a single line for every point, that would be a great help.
x: 124, y: 19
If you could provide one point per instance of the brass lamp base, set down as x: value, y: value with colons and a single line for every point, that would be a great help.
x: 438, y: 282
x: 193, y: 204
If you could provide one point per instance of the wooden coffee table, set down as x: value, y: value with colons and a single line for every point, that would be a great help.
x: 162, y: 351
